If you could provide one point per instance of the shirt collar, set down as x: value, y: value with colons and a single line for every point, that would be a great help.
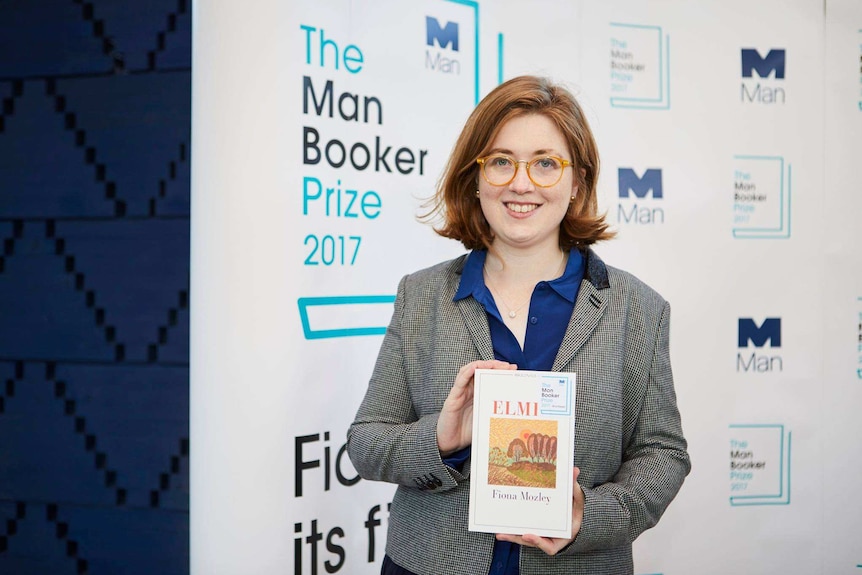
x: 472, y: 281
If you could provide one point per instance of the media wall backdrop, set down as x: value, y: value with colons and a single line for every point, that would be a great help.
x: 730, y: 135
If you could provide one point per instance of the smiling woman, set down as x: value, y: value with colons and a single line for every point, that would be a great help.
x: 530, y: 295
x: 559, y: 114
x: 522, y: 214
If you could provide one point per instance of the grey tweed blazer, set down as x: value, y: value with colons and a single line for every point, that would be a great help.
x: 628, y: 440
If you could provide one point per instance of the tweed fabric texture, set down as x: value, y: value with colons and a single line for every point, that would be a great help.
x: 628, y: 440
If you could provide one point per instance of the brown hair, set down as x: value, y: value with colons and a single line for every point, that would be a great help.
x: 455, y: 201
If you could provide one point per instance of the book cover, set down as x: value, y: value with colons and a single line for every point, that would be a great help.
x: 522, y: 454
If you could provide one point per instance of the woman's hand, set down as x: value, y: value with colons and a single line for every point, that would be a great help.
x: 553, y: 545
x: 455, y: 425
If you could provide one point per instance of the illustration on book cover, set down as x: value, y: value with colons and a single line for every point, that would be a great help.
x: 522, y: 452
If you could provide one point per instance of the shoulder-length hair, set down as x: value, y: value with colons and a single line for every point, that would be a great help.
x: 455, y: 200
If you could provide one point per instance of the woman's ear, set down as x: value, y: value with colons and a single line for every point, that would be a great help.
x: 575, y: 185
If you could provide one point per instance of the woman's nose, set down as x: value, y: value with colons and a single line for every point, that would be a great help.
x: 522, y: 183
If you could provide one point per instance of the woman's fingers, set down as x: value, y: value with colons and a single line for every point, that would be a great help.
x: 454, y: 426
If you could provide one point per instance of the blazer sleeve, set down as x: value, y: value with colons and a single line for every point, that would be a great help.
x: 387, y: 440
x: 655, y: 463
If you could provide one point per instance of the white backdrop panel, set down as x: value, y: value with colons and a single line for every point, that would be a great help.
x: 729, y: 195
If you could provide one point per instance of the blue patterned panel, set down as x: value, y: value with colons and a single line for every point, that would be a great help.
x: 43, y: 172
x: 58, y: 539
x: 142, y: 33
x: 49, y: 37
x: 136, y: 130
x: 107, y: 146
x: 46, y: 309
x: 135, y: 275
x: 48, y: 460
x: 95, y: 112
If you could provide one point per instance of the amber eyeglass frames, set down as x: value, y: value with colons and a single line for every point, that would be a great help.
x: 544, y: 171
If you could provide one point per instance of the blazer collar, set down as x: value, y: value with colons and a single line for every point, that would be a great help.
x: 596, y: 271
x: 589, y: 308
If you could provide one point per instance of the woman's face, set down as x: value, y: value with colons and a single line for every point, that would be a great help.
x: 521, y: 214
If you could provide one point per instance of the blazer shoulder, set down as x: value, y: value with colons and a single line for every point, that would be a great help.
x: 443, y: 272
x: 604, y: 276
x: 633, y: 288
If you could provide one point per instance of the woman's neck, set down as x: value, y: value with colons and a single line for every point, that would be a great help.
x: 528, y: 266
x: 511, y: 276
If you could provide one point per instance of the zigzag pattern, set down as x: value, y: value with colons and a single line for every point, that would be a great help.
x: 61, y: 530
x: 97, y: 38
x: 94, y: 286
x: 71, y: 124
x: 84, y: 159
x: 50, y: 243
x: 55, y: 396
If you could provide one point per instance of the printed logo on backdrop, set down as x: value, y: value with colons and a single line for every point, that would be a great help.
x: 759, y: 464
x: 639, y: 67
x: 763, y: 76
x: 346, y: 134
x: 444, y: 40
x: 859, y: 338
x: 761, y: 197
x: 859, y: 103
x: 762, y: 345
x: 640, y: 197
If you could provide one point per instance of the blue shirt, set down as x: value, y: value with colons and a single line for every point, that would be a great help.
x: 550, y: 309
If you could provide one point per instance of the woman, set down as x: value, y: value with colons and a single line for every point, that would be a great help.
x: 520, y: 192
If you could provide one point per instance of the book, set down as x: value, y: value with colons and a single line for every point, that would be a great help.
x: 522, y: 452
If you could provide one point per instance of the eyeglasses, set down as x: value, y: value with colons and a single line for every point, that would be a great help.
x: 544, y: 171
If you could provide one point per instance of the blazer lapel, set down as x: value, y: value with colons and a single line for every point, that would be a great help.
x: 477, y: 324
x: 588, y: 310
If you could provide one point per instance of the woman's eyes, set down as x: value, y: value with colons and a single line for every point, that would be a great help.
x: 545, y: 163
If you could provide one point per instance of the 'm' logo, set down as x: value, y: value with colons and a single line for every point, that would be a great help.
x: 769, y: 331
x: 630, y: 182
x: 772, y: 62
x: 444, y: 36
